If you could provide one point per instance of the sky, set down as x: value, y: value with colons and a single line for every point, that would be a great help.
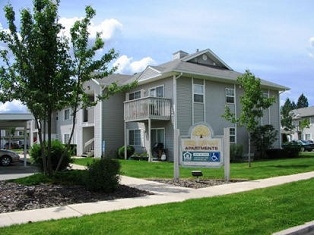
x: 274, y: 39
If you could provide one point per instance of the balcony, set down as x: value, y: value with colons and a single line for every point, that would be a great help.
x: 147, y: 108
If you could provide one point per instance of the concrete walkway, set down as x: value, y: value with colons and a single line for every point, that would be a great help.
x: 163, y: 193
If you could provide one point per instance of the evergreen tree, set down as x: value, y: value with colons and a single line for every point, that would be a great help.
x: 302, y: 102
x: 286, y: 118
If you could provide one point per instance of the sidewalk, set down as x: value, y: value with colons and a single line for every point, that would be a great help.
x: 163, y: 193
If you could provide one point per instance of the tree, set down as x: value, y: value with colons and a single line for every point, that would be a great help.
x: 85, y: 68
x: 253, y: 102
x: 45, y: 75
x: 303, y: 123
x: 39, y: 73
x: 286, y: 117
x: 302, y: 102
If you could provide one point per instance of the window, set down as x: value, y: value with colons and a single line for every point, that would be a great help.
x: 135, y: 95
x: 307, y: 136
x: 198, y: 93
x: 135, y: 137
x: 157, y: 136
x: 67, y: 114
x: 157, y: 91
x: 66, y: 138
x: 230, y: 95
x: 232, y: 134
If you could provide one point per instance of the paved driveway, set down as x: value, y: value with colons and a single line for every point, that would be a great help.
x: 16, y: 170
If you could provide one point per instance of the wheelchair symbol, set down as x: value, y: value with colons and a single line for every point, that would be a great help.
x: 215, y: 157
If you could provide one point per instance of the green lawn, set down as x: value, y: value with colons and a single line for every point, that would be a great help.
x: 259, y: 169
x: 261, y: 211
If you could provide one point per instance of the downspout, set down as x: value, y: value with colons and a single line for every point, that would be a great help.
x: 235, y: 111
x: 279, y: 117
x: 101, y: 127
x: 174, y: 99
x: 100, y: 120
x: 176, y: 149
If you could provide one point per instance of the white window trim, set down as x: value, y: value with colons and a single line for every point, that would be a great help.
x: 138, y: 91
x: 164, y: 137
x: 141, y: 140
x: 64, y: 113
x: 227, y: 95
x: 155, y: 87
x: 195, y: 93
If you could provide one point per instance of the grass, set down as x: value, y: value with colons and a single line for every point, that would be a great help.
x: 261, y: 211
x: 259, y: 169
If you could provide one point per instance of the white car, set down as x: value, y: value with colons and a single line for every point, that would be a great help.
x: 7, y: 157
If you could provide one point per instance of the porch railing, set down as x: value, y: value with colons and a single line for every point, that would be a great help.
x: 147, y: 108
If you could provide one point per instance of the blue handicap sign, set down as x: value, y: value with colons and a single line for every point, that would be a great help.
x: 214, y: 156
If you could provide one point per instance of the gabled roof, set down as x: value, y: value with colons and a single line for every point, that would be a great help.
x: 303, y: 112
x: 202, y: 64
x: 118, y: 78
x: 215, y: 60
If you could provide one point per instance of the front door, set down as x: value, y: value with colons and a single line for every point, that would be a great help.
x: 157, y: 141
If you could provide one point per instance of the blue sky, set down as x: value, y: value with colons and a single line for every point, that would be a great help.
x: 272, y: 38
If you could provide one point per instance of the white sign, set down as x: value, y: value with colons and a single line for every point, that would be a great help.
x: 201, y: 148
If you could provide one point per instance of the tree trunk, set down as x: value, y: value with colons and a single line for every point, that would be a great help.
x: 49, y: 166
x: 249, y: 151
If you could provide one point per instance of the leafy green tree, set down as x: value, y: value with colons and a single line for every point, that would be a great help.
x: 39, y: 72
x: 303, y: 123
x: 253, y: 102
x: 286, y: 117
x: 86, y: 67
x: 44, y: 73
x: 302, y: 102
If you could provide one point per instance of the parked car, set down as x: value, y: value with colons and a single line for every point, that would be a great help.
x: 304, y: 145
x: 13, y: 146
x: 7, y: 157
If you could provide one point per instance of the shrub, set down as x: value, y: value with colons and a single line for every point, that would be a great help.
x: 103, y: 175
x: 276, y: 153
x: 57, y: 149
x: 130, y: 150
x: 286, y: 152
x: 263, y: 138
x: 293, y: 150
x: 236, y: 152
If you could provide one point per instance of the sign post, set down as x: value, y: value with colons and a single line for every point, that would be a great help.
x: 176, y: 168
x: 227, y: 154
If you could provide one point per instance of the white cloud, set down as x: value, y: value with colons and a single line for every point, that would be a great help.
x: 107, y: 28
x: 126, y: 65
x: 13, y: 107
x: 311, y: 47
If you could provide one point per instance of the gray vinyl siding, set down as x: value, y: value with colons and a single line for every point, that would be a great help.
x: 166, y: 83
x: 184, y: 104
x: 198, y: 112
x: 215, y: 106
x: 113, y: 123
x: 275, y: 117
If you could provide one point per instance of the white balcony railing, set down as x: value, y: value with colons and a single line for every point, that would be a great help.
x: 147, y: 108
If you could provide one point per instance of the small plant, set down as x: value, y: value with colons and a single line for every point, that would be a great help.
x: 103, y: 175
x: 57, y: 149
x: 139, y: 156
x: 130, y: 151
